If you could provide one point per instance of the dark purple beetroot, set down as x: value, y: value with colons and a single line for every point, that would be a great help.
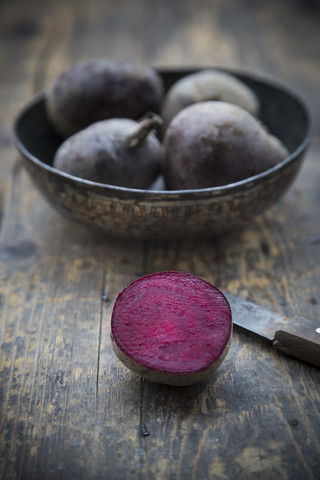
x: 205, y: 85
x: 118, y: 151
x: 171, y: 327
x: 98, y: 89
x: 216, y: 143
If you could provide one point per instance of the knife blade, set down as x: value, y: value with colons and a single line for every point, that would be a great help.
x: 298, y: 337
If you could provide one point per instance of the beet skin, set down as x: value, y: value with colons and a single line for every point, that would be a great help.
x: 171, y: 327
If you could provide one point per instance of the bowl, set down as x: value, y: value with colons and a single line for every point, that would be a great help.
x: 206, y: 212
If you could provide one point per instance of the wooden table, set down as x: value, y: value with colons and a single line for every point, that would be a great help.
x: 69, y: 409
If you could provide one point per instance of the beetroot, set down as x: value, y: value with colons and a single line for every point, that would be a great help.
x: 210, y: 144
x: 205, y: 85
x: 97, y: 89
x: 171, y: 327
x: 118, y: 151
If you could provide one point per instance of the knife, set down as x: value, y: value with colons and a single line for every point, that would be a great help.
x: 298, y: 337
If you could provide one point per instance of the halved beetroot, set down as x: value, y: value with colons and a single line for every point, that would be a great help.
x: 171, y: 327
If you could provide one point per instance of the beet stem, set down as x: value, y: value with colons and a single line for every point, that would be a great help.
x: 150, y: 122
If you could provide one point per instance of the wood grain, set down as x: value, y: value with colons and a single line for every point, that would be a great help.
x: 69, y: 409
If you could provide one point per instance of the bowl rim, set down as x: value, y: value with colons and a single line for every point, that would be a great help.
x: 214, y: 191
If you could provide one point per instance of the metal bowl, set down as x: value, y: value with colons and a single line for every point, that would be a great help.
x: 203, y: 212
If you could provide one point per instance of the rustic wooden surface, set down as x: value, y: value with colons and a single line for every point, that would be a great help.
x: 69, y: 409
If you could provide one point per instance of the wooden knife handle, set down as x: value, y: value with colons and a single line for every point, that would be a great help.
x: 300, y: 338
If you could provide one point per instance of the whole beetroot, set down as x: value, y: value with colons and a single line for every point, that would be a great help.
x: 207, y: 85
x: 97, y: 89
x: 118, y: 151
x: 215, y: 143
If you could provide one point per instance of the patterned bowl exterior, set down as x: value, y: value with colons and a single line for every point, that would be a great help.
x: 130, y: 213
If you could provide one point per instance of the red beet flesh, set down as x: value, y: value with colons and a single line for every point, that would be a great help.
x: 171, y: 327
